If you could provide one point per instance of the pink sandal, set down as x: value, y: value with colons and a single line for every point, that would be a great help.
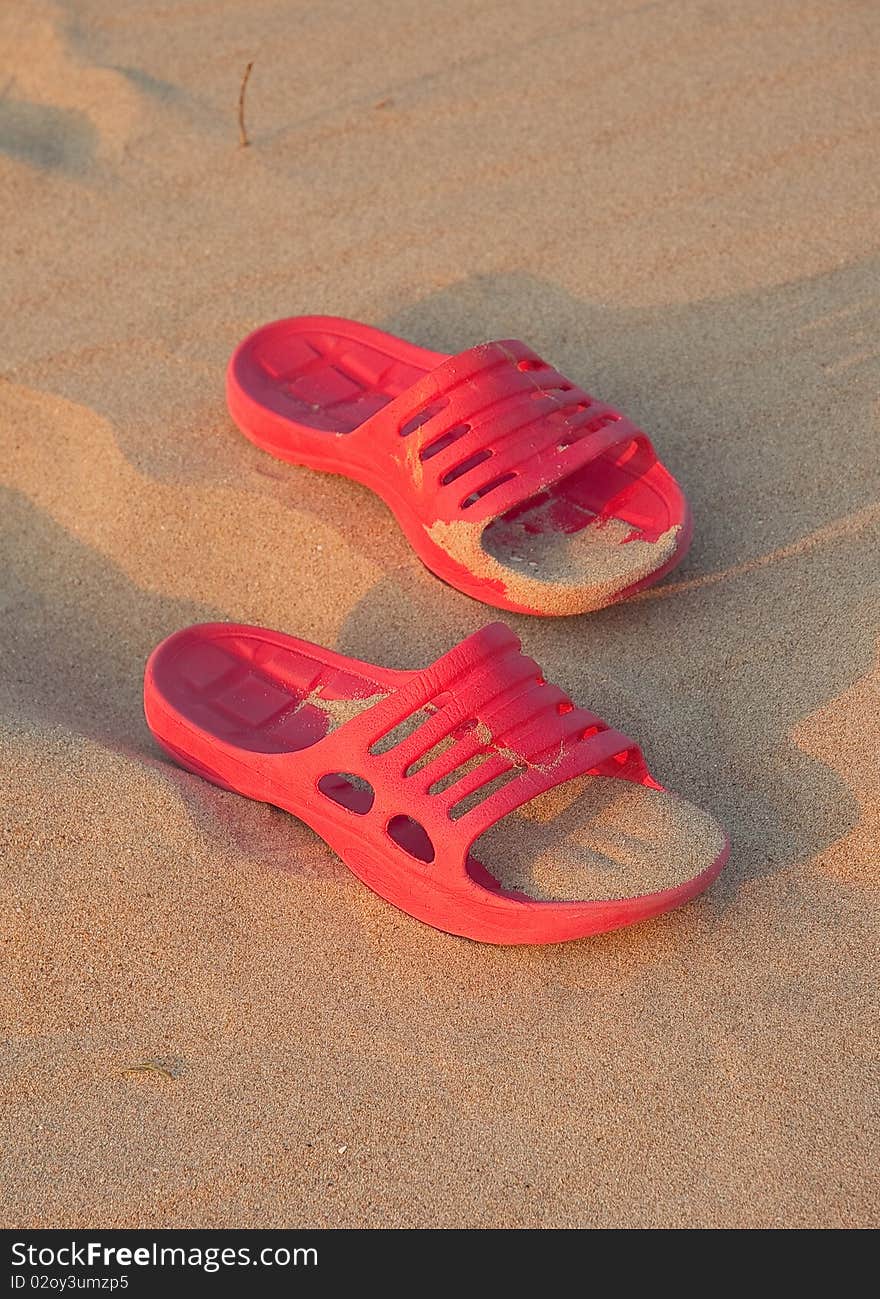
x: 511, y: 483
x: 473, y: 794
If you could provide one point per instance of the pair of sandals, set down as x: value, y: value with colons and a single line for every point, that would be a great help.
x: 473, y: 794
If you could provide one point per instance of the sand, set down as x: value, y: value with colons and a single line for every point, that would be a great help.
x: 598, y: 838
x: 676, y: 205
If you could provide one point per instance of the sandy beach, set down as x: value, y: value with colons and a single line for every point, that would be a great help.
x: 208, y: 1020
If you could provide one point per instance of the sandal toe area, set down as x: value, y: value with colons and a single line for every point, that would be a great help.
x: 598, y: 838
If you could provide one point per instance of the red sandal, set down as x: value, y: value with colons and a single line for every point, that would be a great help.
x: 403, y: 772
x: 510, y: 482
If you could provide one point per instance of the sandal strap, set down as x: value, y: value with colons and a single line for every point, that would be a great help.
x: 467, y: 740
x: 490, y: 428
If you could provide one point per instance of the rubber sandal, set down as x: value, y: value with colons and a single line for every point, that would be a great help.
x: 511, y: 483
x: 473, y: 795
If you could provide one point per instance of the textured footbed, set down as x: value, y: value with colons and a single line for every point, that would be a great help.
x: 592, y: 838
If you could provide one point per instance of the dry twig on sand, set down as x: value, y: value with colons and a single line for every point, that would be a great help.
x: 243, y: 140
x: 162, y: 1067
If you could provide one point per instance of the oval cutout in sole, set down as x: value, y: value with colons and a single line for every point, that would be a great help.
x: 412, y: 838
x: 349, y: 791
